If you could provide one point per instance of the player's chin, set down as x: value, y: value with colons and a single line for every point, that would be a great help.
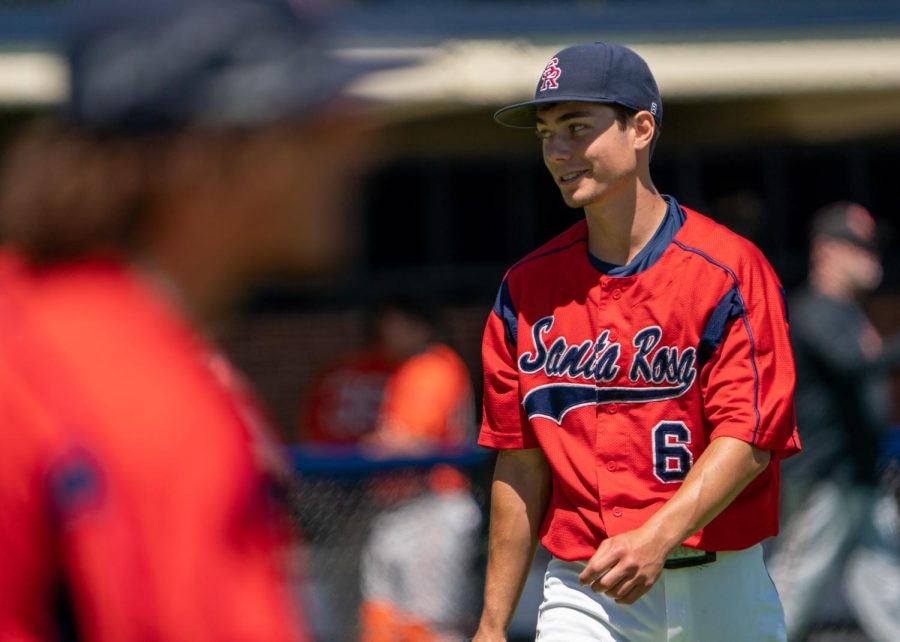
x: 579, y: 198
x: 572, y: 199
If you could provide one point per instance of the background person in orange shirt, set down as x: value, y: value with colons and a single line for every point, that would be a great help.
x: 404, y: 389
x: 406, y: 394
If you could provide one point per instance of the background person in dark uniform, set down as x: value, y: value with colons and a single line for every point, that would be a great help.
x: 837, y: 522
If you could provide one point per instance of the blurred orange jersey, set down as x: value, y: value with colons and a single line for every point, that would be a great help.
x: 428, y: 399
x: 136, y: 478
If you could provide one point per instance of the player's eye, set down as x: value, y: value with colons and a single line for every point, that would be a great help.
x: 574, y: 128
x: 543, y: 134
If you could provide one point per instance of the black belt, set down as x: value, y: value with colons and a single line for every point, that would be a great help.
x: 684, y: 557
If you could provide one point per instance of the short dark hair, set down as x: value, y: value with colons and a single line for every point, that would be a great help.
x: 624, y: 114
x: 65, y: 193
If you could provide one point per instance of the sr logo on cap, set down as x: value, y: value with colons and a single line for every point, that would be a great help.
x: 551, y: 75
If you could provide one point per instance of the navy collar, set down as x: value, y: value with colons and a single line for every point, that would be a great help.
x: 650, y: 253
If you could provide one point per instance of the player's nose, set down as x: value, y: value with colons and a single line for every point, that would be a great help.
x: 556, y: 150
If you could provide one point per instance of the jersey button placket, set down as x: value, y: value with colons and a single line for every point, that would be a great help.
x: 606, y: 467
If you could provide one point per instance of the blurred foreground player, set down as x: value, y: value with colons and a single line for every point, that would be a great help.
x: 840, y: 523
x: 639, y: 387
x: 205, y: 148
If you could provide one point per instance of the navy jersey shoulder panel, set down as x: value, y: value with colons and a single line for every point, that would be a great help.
x: 784, y: 302
x: 653, y: 250
x: 746, y: 322
x: 505, y: 309
x: 729, y: 307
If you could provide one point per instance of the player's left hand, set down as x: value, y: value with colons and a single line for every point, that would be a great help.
x: 625, y: 566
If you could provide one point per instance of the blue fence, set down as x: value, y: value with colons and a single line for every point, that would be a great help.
x: 344, y: 492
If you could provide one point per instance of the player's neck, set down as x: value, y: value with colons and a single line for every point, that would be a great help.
x: 622, y: 225
x: 198, y: 278
x: 196, y: 294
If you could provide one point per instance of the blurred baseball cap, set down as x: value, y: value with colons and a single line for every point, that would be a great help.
x: 848, y: 221
x: 593, y: 73
x: 159, y: 64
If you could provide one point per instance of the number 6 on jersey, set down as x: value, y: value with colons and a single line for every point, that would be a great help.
x: 672, y: 459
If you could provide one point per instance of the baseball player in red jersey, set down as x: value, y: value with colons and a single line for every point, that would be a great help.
x: 142, y: 493
x: 137, y: 520
x: 638, y: 387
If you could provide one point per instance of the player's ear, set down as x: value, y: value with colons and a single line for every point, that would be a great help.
x: 644, y: 128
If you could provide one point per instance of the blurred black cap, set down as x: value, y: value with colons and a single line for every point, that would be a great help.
x: 848, y: 221
x: 159, y: 64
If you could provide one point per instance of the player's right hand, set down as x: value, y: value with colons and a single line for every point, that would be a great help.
x: 625, y: 566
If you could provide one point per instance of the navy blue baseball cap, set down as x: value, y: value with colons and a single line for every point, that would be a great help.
x: 162, y: 64
x: 601, y: 72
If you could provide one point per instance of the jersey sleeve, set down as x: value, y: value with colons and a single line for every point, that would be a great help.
x: 28, y: 574
x: 747, y: 381
x: 69, y: 560
x: 504, y: 424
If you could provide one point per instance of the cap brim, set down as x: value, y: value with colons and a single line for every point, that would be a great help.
x: 165, y: 65
x: 318, y: 91
x: 873, y: 245
x: 524, y: 115
x: 520, y: 115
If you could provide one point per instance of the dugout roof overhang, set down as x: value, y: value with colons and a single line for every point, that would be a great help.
x: 803, y: 88
x: 787, y: 71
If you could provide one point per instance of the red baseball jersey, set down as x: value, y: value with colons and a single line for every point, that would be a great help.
x: 136, y: 476
x: 623, y: 376
x: 345, y: 400
x: 427, y: 397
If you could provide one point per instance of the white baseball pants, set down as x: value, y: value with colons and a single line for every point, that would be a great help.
x: 730, y: 599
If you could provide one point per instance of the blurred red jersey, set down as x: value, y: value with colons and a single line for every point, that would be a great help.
x: 136, y: 477
x: 426, y: 398
x: 345, y: 400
